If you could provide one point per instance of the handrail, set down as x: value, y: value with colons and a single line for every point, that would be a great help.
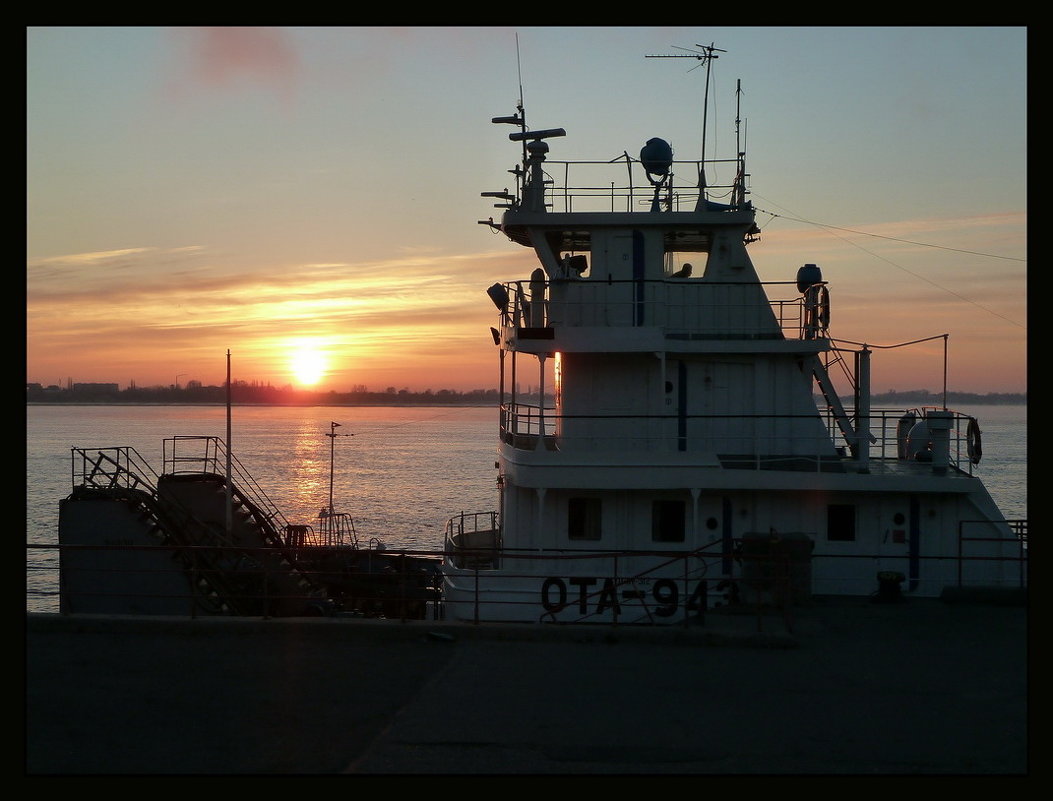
x: 1019, y: 529
x: 245, y: 599
x: 521, y: 423
x: 680, y: 306
x: 572, y: 194
x: 212, y: 460
x: 128, y: 476
x: 128, y: 468
x: 243, y: 584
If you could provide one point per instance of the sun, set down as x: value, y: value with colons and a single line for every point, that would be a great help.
x: 308, y: 365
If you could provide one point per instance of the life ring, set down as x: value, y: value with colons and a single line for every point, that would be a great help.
x: 823, y: 308
x: 972, y: 441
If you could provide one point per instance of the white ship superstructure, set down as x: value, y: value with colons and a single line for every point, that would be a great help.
x: 661, y: 448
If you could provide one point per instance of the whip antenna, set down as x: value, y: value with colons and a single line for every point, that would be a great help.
x: 705, y: 55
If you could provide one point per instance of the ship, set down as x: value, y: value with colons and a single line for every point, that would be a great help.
x: 684, y: 442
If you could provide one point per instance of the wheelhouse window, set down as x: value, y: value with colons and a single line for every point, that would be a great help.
x: 583, y: 518
x: 668, y: 521
x: 841, y: 522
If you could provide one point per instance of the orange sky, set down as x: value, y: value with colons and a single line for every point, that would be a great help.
x: 423, y: 322
x: 275, y: 192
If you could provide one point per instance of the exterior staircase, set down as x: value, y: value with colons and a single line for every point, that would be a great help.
x: 115, y: 519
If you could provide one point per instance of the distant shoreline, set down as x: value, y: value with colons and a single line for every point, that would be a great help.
x: 304, y: 404
x: 897, y: 399
x: 266, y: 395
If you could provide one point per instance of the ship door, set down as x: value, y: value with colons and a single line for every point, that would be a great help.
x: 708, y: 520
x: 717, y: 390
x: 894, y: 537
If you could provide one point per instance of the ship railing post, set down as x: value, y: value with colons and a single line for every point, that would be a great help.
x: 540, y: 444
x: 476, y: 600
x: 863, y: 409
x: 940, y: 422
x: 687, y: 595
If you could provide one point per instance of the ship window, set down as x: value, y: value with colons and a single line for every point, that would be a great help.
x: 583, y: 518
x: 667, y: 521
x: 841, y: 522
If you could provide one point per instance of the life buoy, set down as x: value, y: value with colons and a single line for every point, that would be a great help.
x: 972, y: 441
x: 823, y: 308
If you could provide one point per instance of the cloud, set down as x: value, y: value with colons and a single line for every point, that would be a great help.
x: 224, y: 57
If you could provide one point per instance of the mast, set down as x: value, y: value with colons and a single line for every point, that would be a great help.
x: 706, y: 56
x: 229, y: 498
x: 332, y: 454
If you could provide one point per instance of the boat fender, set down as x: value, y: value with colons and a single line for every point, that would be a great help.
x: 972, y: 440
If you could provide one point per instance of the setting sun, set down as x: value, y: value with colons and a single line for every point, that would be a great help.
x: 308, y: 365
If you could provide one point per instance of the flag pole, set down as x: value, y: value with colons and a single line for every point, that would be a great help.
x: 332, y: 449
x: 230, y: 504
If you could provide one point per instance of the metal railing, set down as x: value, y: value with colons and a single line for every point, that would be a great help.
x: 111, y: 468
x: 112, y: 581
x: 676, y: 583
x: 122, y: 474
x: 753, y: 441
x: 578, y: 186
x: 473, y: 539
x: 683, y: 584
x: 1019, y: 529
x: 682, y: 307
x: 201, y: 455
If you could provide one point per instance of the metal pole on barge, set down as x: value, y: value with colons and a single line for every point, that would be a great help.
x: 230, y: 503
x: 328, y: 514
x: 332, y: 449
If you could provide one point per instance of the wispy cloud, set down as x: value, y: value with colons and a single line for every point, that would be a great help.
x: 428, y: 305
x: 225, y: 58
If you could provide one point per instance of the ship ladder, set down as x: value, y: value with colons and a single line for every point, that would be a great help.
x: 822, y: 378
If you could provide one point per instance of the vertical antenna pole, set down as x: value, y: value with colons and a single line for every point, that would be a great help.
x: 229, y: 499
x: 706, y: 56
x: 521, y: 108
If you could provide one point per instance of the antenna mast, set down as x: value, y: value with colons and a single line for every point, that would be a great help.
x: 705, y: 54
x: 518, y: 119
x: 332, y: 447
x: 739, y: 193
x: 521, y: 108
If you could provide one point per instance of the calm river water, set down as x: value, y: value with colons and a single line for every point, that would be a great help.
x: 401, y: 473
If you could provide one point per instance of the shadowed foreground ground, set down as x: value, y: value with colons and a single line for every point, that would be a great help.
x: 920, y: 687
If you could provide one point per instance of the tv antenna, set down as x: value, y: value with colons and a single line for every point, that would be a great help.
x: 704, y: 55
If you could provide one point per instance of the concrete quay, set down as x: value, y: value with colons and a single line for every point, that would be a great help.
x: 846, y: 687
